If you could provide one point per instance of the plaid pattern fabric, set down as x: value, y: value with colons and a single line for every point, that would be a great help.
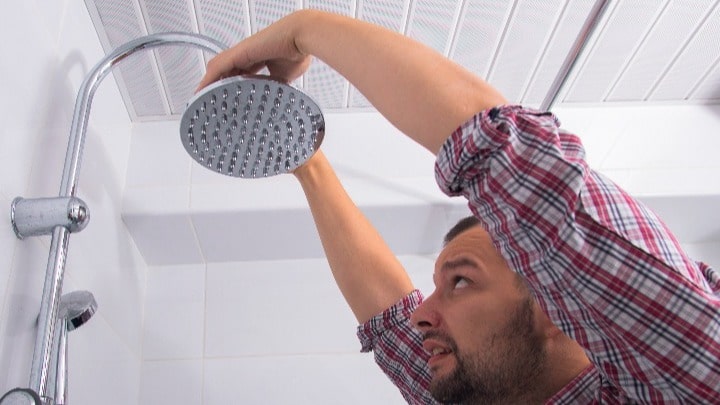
x: 604, y: 268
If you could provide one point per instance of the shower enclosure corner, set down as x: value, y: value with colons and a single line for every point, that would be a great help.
x: 65, y: 214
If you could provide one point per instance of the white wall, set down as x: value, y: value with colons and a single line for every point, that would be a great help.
x: 48, y: 48
x: 267, y: 332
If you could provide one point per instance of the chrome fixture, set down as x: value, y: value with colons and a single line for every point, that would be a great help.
x: 251, y: 127
x: 576, y: 51
x: 76, y: 308
x: 65, y: 214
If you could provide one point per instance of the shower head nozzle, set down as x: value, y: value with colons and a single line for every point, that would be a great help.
x: 251, y: 126
x: 76, y: 308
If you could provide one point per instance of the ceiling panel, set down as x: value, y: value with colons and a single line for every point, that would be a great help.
x: 569, y: 24
x: 693, y: 62
x: 520, y: 50
x: 324, y: 84
x: 137, y: 77
x: 627, y: 25
x: 709, y: 88
x: 643, y: 50
x: 180, y: 67
x: 432, y: 22
x: 390, y: 14
x: 479, y: 32
x: 667, y: 37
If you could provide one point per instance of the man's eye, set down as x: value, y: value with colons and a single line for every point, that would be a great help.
x: 460, y: 282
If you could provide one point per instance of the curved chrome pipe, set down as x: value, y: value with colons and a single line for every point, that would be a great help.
x: 61, y: 235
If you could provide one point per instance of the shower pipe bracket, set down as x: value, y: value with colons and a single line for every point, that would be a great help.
x: 66, y: 213
x: 39, y: 216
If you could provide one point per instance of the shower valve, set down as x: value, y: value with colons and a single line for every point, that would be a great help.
x: 39, y: 216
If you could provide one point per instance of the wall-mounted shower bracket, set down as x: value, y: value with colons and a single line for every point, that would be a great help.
x: 65, y: 214
x: 39, y: 216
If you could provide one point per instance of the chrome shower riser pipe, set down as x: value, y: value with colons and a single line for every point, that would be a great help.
x: 577, y: 49
x: 52, y: 290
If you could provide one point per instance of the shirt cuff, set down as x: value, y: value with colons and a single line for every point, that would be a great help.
x: 369, y: 332
x: 466, y: 152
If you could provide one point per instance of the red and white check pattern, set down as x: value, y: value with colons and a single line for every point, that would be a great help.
x: 604, y: 268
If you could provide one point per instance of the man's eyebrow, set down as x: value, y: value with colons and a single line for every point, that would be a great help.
x: 460, y: 262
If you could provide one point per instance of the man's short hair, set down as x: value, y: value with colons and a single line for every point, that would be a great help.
x: 462, y: 226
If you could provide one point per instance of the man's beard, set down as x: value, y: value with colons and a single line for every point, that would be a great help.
x: 509, y: 370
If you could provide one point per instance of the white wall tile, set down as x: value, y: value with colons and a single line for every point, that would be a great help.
x: 257, y: 235
x: 165, y: 240
x: 256, y: 308
x: 51, y: 14
x: 337, y: 379
x: 101, y: 367
x: 157, y: 157
x: 8, y: 241
x: 161, y: 227
x: 171, y: 382
x: 174, y: 313
x: 18, y: 326
x: 26, y: 102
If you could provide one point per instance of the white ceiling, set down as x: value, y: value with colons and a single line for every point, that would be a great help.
x: 644, y: 52
x: 649, y: 51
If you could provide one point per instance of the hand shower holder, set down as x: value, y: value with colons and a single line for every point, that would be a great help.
x: 39, y: 216
x: 65, y: 214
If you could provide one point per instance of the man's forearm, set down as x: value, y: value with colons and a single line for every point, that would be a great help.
x: 367, y: 272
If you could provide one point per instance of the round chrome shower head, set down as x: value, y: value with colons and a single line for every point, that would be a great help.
x: 77, y: 308
x: 251, y: 126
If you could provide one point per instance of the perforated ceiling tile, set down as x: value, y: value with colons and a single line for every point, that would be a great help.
x: 627, y: 26
x: 326, y: 86
x: 673, y: 29
x: 693, y: 62
x: 709, y: 88
x: 385, y: 13
x: 566, y: 32
x: 266, y: 12
x: 180, y: 67
x: 525, y: 37
x: 480, y: 28
x: 433, y: 22
x: 226, y: 21
x: 638, y: 51
x: 390, y: 14
x: 120, y: 23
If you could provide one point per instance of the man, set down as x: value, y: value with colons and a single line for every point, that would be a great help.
x: 563, y: 289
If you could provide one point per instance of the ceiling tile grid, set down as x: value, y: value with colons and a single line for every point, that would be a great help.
x: 390, y: 14
x: 180, y: 67
x: 693, y: 61
x: 526, y: 36
x: 664, y: 51
x: 672, y: 30
x: 570, y: 21
x: 116, y: 23
x: 626, y: 25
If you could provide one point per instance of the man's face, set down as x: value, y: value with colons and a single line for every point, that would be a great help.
x: 479, y: 325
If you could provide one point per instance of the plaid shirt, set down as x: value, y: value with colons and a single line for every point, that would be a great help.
x: 603, y: 267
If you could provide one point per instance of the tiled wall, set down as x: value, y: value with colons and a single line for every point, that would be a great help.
x: 268, y: 332
x: 48, y: 47
x: 234, y: 332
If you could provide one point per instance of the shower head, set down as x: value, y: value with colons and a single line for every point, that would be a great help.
x: 77, y: 308
x: 251, y: 126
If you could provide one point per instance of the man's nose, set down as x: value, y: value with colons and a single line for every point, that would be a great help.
x: 425, y: 315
